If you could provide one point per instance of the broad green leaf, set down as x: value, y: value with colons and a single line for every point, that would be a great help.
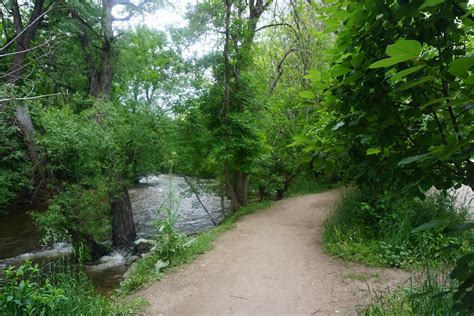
x: 387, y: 62
x: 401, y: 74
x: 415, y: 83
x: 373, y: 151
x: 460, y: 66
x: 404, y: 49
x: 299, y: 139
x: 357, y: 59
x: 434, y: 101
x: 307, y: 94
x: 427, y: 226
x: 469, y: 80
x: 339, y: 70
x: 313, y: 75
x: 412, y: 159
x: 431, y: 3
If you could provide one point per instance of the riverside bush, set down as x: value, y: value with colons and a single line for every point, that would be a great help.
x: 27, y: 290
x: 384, y: 234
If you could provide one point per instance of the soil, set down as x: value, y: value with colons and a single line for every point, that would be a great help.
x: 273, y: 262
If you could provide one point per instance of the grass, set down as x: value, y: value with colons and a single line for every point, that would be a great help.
x: 363, y: 277
x: 427, y: 294
x: 382, y: 235
x: 308, y: 185
x: 145, y: 271
x: 58, y: 289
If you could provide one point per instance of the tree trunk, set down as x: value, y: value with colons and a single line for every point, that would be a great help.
x: 235, y: 205
x: 23, y: 119
x: 238, y: 178
x: 245, y: 184
x: 123, y: 228
x: 22, y: 114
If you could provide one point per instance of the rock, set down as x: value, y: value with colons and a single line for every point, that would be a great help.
x: 142, y: 246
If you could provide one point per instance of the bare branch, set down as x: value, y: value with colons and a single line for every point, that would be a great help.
x: 31, y: 98
x: 274, y: 24
x: 27, y: 50
x: 27, y: 27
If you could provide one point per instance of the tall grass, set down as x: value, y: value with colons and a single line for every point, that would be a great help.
x: 427, y: 294
x: 382, y: 235
x: 56, y: 289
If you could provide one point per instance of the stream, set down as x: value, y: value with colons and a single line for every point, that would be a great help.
x: 19, y: 239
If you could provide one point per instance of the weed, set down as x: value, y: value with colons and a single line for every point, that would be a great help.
x: 383, y: 235
x: 431, y: 296
x: 59, y: 289
x: 363, y: 277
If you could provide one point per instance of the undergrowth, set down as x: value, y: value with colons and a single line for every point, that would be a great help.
x: 308, y: 184
x: 430, y: 293
x: 385, y: 235
x: 59, y: 290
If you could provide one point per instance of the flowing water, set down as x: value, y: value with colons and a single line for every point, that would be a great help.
x: 20, y: 240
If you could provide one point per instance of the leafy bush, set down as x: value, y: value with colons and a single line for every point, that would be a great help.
x: 27, y: 290
x: 76, y: 212
x: 15, y: 168
x: 384, y: 234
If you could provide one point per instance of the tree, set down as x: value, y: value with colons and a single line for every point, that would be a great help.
x: 25, y: 25
x: 399, y: 92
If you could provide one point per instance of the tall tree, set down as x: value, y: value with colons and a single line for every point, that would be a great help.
x: 26, y: 22
x: 101, y: 74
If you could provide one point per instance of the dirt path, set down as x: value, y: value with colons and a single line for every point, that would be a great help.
x: 271, y: 263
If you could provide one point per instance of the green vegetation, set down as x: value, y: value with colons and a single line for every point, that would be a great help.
x: 307, y: 185
x: 386, y: 235
x: 27, y: 291
x: 289, y: 98
x: 433, y: 296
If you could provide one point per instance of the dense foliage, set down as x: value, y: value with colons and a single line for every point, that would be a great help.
x: 278, y: 98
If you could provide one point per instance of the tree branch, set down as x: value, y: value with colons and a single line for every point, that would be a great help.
x: 273, y: 24
x: 27, y: 27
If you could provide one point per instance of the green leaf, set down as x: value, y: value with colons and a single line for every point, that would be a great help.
x: 469, y: 80
x: 404, y: 49
x: 431, y: 3
x: 413, y: 159
x: 373, y: 151
x: 460, y: 66
x: 427, y: 226
x: 387, y: 62
x: 461, y: 227
x: 298, y: 140
x: 357, y: 59
x: 339, y: 70
x: 307, y: 94
x: 415, y: 83
x: 313, y: 75
x: 401, y: 74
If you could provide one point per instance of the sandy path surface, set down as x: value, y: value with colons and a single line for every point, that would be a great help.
x: 272, y: 263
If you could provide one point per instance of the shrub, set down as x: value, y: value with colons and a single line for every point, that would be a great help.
x: 28, y: 290
x: 384, y: 234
